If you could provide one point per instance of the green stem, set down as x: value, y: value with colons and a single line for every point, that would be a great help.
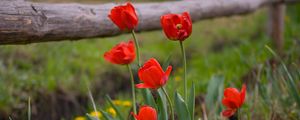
x: 29, y: 109
x: 137, y: 47
x: 184, y: 69
x: 132, y: 89
x: 170, y: 103
x: 238, y: 114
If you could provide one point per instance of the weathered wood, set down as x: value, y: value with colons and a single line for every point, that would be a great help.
x: 25, y: 22
x: 276, y: 28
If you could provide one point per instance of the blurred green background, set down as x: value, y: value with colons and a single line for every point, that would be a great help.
x: 230, y: 49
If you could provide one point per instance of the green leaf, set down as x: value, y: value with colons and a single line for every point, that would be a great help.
x: 91, y: 117
x: 167, y: 62
x: 149, y: 100
x: 106, y: 115
x: 291, y: 82
x: 119, y: 115
x: 162, y: 106
x: 191, y: 102
x: 181, y: 108
x: 214, y: 91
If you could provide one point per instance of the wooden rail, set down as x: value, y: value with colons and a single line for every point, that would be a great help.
x: 24, y: 22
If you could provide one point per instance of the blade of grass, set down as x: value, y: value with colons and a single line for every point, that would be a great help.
x: 167, y: 62
x: 91, y: 117
x: 117, y: 109
x: 106, y: 115
x: 291, y: 83
x: 191, y: 102
x: 93, y: 102
x: 29, y: 109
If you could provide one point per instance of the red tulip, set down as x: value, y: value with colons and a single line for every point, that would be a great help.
x: 153, y: 75
x: 146, y: 113
x: 233, y: 99
x: 122, y: 53
x: 124, y: 16
x: 176, y: 26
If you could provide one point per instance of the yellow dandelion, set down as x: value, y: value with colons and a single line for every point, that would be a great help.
x: 117, y: 102
x: 177, y: 78
x: 127, y: 103
x: 96, y: 114
x: 79, y: 118
x: 112, y: 111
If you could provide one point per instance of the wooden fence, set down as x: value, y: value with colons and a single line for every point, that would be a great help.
x: 24, y: 22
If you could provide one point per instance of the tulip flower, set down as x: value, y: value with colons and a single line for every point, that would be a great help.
x: 124, y: 16
x: 153, y: 75
x: 123, y: 53
x: 177, y: 27
x: 233, y: 100
x: 146, y: 113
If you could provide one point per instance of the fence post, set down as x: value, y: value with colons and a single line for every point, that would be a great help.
x: 276, y: 25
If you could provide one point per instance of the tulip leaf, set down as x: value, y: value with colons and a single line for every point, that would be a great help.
x: 214, y: 92
x: 290, y: 80
x: 106, y: 115
x: 119, y: 115
x: 191, y: 102
x: 91, y: 117
x: 167, y: 62
x: 162, y: 106
x: 149, y: 100
x: 181, y: 108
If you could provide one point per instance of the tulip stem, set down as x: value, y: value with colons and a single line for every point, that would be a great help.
x: 170, y: 103
x: 132, y: 89
x: 184, y: 69
x: 238, y: 114
x: 137, y: 47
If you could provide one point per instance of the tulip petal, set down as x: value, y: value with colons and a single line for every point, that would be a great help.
x: 131, y: 46
x: 230, y: 103
x: 167, y: 73
x: 129, y: 19
x: 151, y: 62
x: 142, y: 85
x: 243, y: 94
x: 187, y: 23
x: 124, y: 16
x: 231, y: 93
x: 130, y: 8
x: 147, y: 113
x: 115, y: 16
x: 169, y: 26
x: 120, y: 54
x: 152, y: 76
x: 228, y: 112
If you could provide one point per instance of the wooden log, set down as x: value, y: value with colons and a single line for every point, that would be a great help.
x: 26, y: 22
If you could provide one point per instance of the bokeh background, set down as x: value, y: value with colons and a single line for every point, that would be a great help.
x: 221, y: 52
